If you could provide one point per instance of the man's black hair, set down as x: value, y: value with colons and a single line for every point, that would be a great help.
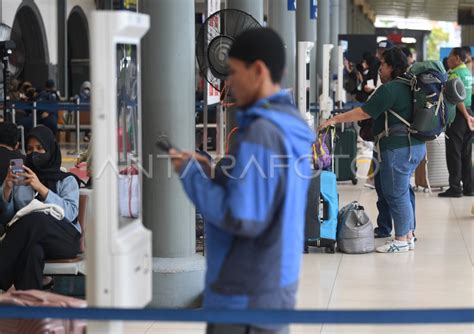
x: 261, y: 44
x: 467, y: 49
x: 369, y: 58
x: 461, y: 53
x: 397, y: 59
x: 445, y: 63
x: 8, y: 134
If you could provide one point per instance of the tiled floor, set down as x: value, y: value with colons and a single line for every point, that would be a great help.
x: 438, y: 274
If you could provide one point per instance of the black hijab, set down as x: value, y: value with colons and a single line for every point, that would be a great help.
x: 49, y: 172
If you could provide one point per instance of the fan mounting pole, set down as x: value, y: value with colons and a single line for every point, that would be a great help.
x: 6, y: 111
x: 6, y: 50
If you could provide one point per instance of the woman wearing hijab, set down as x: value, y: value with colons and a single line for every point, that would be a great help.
x: 37, y: 236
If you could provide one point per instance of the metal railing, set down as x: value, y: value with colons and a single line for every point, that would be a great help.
x: 75, y: 107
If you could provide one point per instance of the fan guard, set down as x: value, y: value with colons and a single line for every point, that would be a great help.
x: 16, y: 60
x: 215, y: 39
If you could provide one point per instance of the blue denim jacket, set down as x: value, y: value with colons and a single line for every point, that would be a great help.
x: 67, y: 197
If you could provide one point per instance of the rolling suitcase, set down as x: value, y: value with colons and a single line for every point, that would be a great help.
x: 321, y: 213
x: 345, y: 154
x: 432, y: 172
x: 43, y: 326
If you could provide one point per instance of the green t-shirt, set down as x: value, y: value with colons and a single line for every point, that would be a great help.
x: 395, y: 96
x: 463, y: 73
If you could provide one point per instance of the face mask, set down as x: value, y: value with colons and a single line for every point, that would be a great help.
x: 38, y: 160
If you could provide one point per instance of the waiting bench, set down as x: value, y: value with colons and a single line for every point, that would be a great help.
x: 76, y: 265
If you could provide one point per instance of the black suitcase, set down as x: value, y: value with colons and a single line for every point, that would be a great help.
x: 316, y: 212
x: 345, y: 154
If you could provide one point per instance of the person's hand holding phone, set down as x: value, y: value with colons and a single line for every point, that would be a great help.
x: 180, y: 158
x: 8, y: 183
x: 31, y: 179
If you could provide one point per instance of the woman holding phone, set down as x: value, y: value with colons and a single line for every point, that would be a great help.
x: 37, y: 236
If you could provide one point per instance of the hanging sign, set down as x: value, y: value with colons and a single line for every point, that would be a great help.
x: 313, y: 9
x: 291, y: 4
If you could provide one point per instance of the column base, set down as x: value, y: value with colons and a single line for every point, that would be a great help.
x: 178, y: 282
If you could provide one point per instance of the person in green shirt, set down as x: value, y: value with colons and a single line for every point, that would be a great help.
x: 459, y: 134
x: 399, y: 158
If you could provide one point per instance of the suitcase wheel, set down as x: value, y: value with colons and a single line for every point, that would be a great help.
x: 330, y: 250
x: 355, y: 181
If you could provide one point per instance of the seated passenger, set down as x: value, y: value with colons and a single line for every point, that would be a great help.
x: 48, y: 118
x: 37, y: 236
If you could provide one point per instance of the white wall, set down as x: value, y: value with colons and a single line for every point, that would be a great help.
x: 9, y: 8
x: 48, y: 11
x: 49, y: 14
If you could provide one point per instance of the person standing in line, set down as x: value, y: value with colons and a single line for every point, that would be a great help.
x: 459, y: 134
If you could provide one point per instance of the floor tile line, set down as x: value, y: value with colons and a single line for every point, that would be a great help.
x: 458, y: 223
x: 150, y: 327
x: 333, y: 288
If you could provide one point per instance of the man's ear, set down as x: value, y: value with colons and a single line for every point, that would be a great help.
x: 260, y: 67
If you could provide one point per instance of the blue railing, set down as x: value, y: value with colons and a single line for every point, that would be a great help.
x: 379, y: 317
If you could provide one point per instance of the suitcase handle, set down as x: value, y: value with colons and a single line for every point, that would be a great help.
x: 324, y: 209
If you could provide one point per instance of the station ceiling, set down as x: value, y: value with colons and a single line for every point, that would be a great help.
x: 436, y: 10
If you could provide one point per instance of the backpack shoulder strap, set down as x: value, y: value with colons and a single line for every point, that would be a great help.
x: 404, y: 121
x: 403, y: 80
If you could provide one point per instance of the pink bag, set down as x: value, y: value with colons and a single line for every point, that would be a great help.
x: 43, y: 326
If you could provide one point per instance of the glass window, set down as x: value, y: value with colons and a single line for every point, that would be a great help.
x: 129, y: 182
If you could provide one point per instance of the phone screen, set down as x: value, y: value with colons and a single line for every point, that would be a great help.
x: 17, y: 166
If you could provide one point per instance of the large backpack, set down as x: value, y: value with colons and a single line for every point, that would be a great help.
x: 432, y: 112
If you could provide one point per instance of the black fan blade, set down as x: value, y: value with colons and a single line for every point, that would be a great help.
x: 16, y: 60
x: 213, y: 45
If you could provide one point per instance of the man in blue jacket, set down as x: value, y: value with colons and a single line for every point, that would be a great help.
x: 255, y: 206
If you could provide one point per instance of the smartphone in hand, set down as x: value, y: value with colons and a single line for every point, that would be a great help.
x: 16, y: 167
x: 164, y: 144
